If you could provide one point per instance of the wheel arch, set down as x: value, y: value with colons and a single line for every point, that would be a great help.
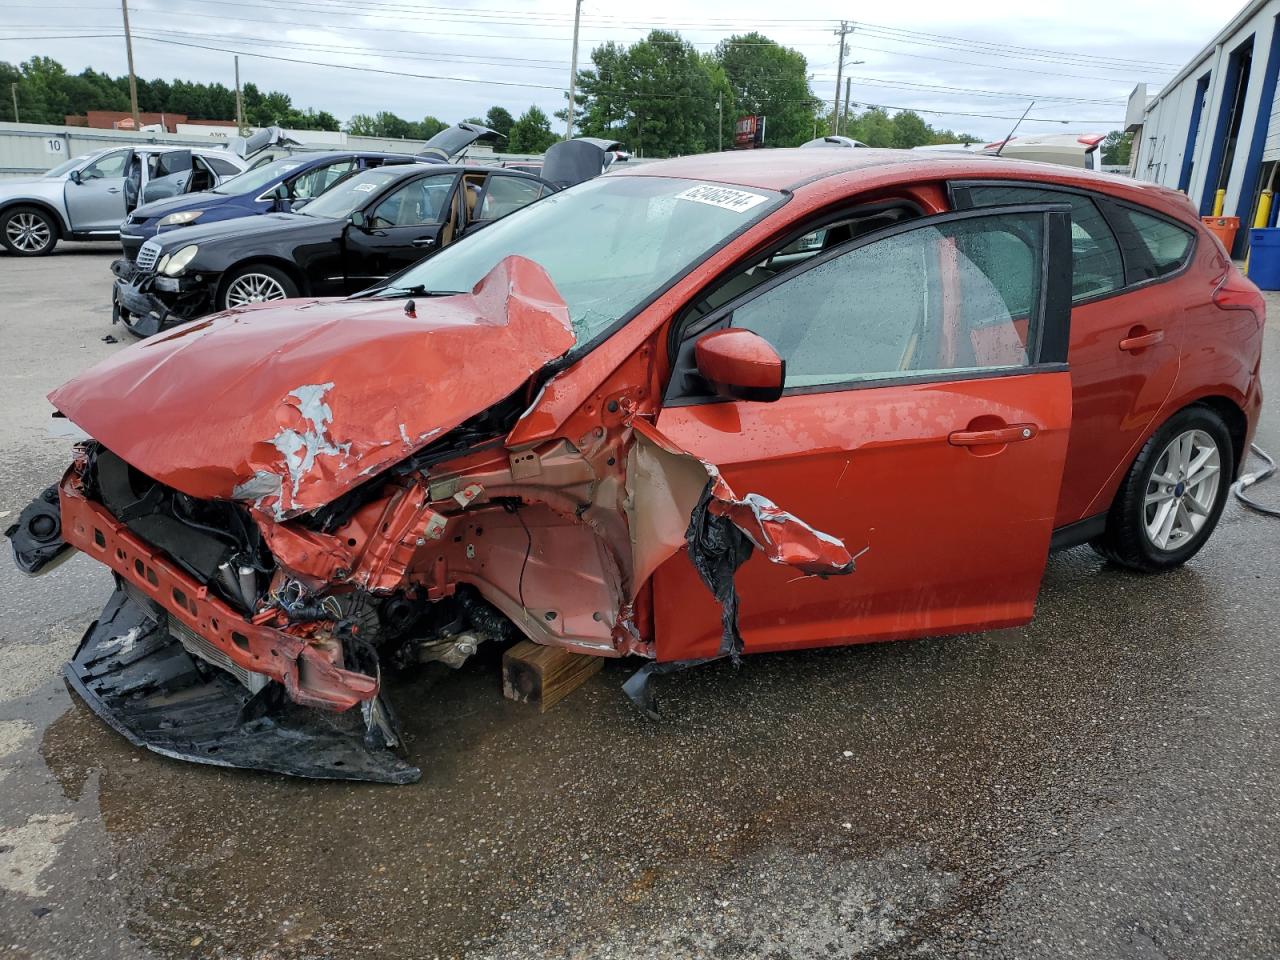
x: 1228, y: 408
x: 64, y: 231
x: 1237, y: 422
x: 266, y: 260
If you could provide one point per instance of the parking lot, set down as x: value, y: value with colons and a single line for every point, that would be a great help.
x: 1102, y: 782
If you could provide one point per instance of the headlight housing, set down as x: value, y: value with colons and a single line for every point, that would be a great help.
x: 178, y: 219
x: 178, y: 262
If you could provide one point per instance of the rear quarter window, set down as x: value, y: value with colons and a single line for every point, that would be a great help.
x: 1153, y: 247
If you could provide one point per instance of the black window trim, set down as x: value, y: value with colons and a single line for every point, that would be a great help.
x: 1104, y: 202
x: 1050, y: 353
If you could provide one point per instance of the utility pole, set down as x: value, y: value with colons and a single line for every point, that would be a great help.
x: 13, y: 88
x: 843, y: 31
x: 239, y: 101
x: 133, y: 77
x: 848, y: 81
x: 573, y: 70
x: 719, y: 121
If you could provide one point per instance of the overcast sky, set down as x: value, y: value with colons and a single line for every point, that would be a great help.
x: 1078, y: 58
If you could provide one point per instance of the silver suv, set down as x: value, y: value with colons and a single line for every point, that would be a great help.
x: 87, y: 197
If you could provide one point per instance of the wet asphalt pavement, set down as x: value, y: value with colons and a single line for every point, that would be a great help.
x: 1102, y: 783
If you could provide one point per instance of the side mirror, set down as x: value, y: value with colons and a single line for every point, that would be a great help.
x: 358, y: 220
x: 74, y: 176
x: 299, y: 203
x: 741, y: 365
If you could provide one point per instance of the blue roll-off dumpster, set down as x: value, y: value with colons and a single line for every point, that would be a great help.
x: 1264, y: 257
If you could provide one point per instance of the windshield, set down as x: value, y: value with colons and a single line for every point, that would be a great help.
x: 257, y: 178
x: 67, y: 165
x: 608, y: 244
x: 352, y: 194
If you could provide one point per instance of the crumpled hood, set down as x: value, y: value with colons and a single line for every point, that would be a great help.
x: 290, y: 406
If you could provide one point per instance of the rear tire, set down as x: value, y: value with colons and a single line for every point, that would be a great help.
x: 28, y: 231
x: 255, y: 283
x: 1173, y: 494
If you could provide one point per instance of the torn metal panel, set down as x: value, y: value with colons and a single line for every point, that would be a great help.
x: 320, y: 394
x: 675, y: 499
x: 139, y: 678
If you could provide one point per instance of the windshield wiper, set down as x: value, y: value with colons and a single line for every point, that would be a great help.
x: 416, y: 290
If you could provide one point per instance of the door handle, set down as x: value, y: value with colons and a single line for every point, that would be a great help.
x: 424, y: 242
x: 1013, y: 433
x: 113, y: 189
x: 1140, y: 338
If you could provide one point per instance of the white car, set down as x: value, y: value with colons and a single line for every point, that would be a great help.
x: 86, y: 198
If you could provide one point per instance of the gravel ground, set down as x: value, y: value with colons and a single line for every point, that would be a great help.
x: 1101, y: 783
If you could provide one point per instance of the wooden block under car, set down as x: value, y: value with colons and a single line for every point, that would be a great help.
x: 542, y: 675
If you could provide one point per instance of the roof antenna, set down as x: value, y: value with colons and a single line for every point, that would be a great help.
x: 1006, y: 140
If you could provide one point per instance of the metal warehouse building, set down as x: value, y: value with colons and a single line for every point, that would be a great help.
x: 1215, y: 126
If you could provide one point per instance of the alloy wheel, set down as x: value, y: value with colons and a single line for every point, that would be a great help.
x: 28, y: 232
x: 253, y: 288
x: 1182, y: 489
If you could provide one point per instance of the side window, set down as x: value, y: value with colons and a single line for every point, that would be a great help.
x: 858, y: 224
x: 1162, y: 248
x: 309, y: 185
x: 223, y: 168
x: 960, y: 295
x: 419, y: 201
x: 505, y: 195
x: 106, y: 167
x: 1098, y: 268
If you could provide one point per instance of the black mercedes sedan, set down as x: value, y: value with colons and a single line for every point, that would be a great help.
x: 361, y: 231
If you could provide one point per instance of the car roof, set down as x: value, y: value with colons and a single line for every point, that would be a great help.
x: 792, y: 168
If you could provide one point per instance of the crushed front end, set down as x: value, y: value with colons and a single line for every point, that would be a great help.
x: 282, y: 531
x: 147, y: 300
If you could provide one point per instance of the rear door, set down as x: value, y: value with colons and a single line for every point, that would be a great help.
x: 169, y: 175
x: 924, y: 423
x: 1125, y: 339
x: 399, y: 229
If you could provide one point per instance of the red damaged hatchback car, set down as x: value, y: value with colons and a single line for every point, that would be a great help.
x: 578, y: 426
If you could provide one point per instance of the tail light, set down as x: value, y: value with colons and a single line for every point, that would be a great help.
x: 1237, y: 292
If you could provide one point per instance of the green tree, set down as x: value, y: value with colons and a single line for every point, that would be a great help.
x: 428, y: 128
x: 1117, y: 147
x: 659, y: 96
x: 531, y: 133
x: 874, y: 127
x: 770, y: 79
x: 909, y: 130
x: 500, y: 120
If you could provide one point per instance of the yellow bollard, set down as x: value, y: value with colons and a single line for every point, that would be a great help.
x: 1219, y: 201
x: 1259, y: 220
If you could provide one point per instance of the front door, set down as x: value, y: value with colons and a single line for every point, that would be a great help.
x: 401, y: 228
x: 95, y: 204
x: 924, y: 422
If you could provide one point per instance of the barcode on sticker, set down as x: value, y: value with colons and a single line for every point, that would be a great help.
x: 739, y: 201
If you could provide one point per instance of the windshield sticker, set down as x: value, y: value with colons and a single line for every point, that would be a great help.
x: 739, y: 201
x: 365, y: 187
x: 290, y: 166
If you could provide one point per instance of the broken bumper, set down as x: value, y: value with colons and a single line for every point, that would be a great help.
x: 146, y: 303
x: 135, y: 674
x: 307, y: 671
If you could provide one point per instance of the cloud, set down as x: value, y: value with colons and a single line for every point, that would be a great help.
x: 516, y: 53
